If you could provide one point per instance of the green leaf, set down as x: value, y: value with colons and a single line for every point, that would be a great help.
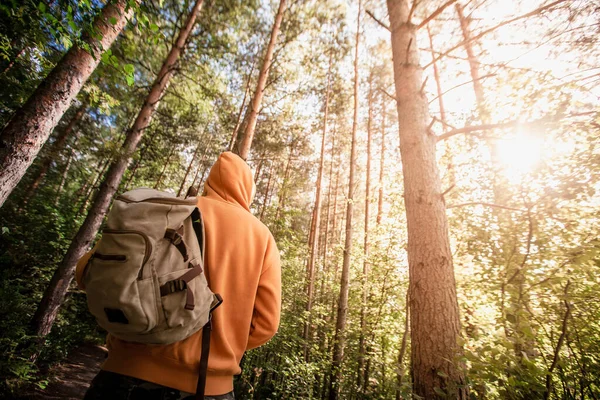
x: 511, y: 318
x: 42, y: 7
x: 130, y: 80
x: 154, y: 27
x: 129, y: 68
x: 5, y: 230
x: 113, y: 20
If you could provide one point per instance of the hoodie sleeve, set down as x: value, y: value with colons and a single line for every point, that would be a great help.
x: 267, y: 306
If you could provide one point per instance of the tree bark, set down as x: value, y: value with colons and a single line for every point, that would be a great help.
x: 29, y: 128
x: 48, y: 308
x: 260, y: 85
x: 317, y: 223
x: 56, y: 148
x: 342, y: 309
x: 435, y: 324
x: 365, y: 278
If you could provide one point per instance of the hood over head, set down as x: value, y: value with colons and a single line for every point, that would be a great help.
x: 231, y: 179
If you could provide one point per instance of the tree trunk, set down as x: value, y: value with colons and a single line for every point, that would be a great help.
x: 260, y: 85
x: 381, y: 161
x: 91, y: 189
x: 342, y: 309
x: 238, y: 123
x: 64, y: 175
x: 29, y: 128
x: 435, y: 324
x: 284, y: 184
x: 317, y: 223
x: 266, y: 197
x: 201, y: 165
x: 438, y: 83
x: 48, y: 308
x: 365, y: 277
x: 56, y: 148
x: 187, y: 171
x: 477, y: 86
x: 162, y: 172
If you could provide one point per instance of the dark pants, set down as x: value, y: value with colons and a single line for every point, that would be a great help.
x: 112, y: 386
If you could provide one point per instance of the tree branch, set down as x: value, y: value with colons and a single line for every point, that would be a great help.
x: 378, y: 21
x: 485, y: 32
x: 474, y: 203
x: 436, y: 13
x: 477, y: 128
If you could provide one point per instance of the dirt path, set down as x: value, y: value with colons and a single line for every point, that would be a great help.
x: 72, y: 377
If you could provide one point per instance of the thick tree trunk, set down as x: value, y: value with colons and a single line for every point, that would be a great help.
x: 48, y: 308
x: 56, y: 148
x: 29, y: 128
x: 316, y: 226
x: 342, y: 309
x: 435, y: 324
x: 260, y: 85
x: 365, y: 278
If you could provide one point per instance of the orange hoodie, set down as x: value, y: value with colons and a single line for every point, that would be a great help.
x: 242, y: 265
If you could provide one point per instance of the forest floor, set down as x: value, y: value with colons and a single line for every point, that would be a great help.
x: 71, y: 378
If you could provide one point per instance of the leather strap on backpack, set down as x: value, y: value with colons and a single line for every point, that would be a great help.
x: 204, y: 359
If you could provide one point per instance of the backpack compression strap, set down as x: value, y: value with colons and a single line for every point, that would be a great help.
x: 204, y: 359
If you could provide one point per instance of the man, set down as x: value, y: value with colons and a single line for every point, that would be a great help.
x: 242, y: 265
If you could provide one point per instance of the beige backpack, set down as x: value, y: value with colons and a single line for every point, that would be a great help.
x: 145, y: 280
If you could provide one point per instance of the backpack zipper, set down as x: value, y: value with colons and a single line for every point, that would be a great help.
x: 148, y: 249
x: 159, y: 200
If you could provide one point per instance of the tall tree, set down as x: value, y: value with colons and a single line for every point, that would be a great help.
x: 342, y: 308
x: 57, y: 146
x: 317, y: 221
x: 435, y: 324
x: 361, y: 373
x: 255, y: 105
x: 48, y: 308
x: 29, y: 128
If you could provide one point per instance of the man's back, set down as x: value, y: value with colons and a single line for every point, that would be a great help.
x: 242, y: 265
